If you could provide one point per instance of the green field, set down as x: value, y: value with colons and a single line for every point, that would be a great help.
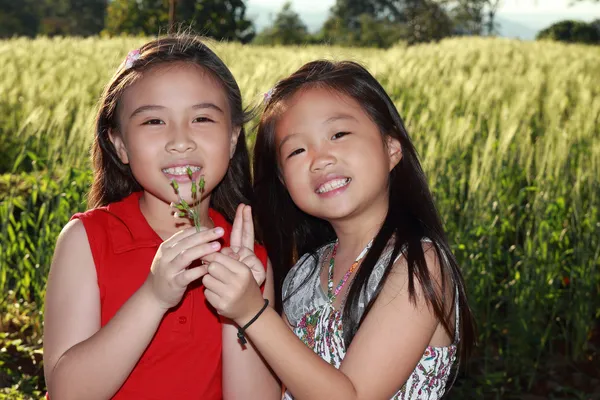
x: 508, y: 133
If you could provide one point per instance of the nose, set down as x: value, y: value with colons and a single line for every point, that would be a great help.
x: 322, y: 158
x: 180, y: 140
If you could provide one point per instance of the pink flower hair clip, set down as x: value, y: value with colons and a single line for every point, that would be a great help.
x: 268, y: 95
x: 131, y: 58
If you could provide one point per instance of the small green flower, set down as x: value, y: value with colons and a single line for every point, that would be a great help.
x: 184, y: 209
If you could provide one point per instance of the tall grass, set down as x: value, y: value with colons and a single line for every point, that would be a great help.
x: 508, y: 134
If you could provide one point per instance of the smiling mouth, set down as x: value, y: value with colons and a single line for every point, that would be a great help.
x: 182, y: 170
x: 332, y: 185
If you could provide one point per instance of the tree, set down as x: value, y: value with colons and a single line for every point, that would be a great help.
x: 220, y: 19
x: 73, y: 17
x: 287, y: 29
x: 572, y: 32
x: 51, y: 17
x: 473, y: 17
x: 21, y: 18
x: 145, y: 17
x: 412, y: 20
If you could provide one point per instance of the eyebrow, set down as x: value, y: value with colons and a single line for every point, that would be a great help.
x: 154, y: 107
x: 285, y: 139
x: 338, y: 117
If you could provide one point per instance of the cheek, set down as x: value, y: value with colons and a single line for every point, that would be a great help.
x: 295, y: 182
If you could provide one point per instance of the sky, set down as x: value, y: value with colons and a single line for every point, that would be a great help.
x: 523, y: 16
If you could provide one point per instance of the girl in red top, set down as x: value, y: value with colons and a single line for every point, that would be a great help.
x: 126, y: 315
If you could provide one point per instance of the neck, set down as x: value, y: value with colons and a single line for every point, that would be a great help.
x: 355, y: 232
x: 159, y: 215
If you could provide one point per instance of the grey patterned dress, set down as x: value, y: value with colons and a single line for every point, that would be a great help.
x: 319, y: 325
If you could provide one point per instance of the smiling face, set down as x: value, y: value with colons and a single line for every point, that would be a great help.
x: 175, y: 116
x: 333, y: 159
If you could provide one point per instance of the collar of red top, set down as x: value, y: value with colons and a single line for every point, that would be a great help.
x: 138, y: 233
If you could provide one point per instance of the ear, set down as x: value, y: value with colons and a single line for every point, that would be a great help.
x: 117, y: 141
x: 235, y: 135
x: 394, y: 149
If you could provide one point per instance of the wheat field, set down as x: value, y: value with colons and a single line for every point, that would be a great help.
x: 508, y: 133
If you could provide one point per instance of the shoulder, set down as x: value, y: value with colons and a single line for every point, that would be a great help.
x: 94, y: 218
x: 73, y: 250
x: 399, y: 275
x: 425, y: 279
x: 303, y: 268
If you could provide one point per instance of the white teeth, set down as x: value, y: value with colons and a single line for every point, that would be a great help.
x: 332, y: 185
x: 180, y: 170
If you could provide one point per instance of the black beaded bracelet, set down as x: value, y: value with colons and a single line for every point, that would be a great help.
x: 240, y: 333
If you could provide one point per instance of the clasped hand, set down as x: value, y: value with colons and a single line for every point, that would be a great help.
x: 235, y: 274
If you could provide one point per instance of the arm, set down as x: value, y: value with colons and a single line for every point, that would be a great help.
x: 245, y: 373
x: 380, y: 359
x: 82, y: 360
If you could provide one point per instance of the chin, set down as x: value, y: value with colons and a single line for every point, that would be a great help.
x: 334, y: 214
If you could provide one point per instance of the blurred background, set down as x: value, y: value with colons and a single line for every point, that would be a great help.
x: 501, y: 98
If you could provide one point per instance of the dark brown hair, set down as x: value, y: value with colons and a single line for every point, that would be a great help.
x: 113, y: 180
x: 288, y: 232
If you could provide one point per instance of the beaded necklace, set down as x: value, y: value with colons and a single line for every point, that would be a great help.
x: 330, y: 292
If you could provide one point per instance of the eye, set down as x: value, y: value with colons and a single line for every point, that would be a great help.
x: 295, y: 152
x: 154, y: 121
x: 203, y: 119
x: 339, y: 135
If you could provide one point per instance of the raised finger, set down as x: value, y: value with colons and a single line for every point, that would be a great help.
x: 248, y: 228
x: 236, y: 230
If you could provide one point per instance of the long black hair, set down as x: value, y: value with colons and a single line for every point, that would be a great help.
x: 288, y: 232
x: 113, y: 180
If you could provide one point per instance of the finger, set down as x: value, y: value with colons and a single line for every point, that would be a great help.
x: 182, y: 234
x: 195, y: 239
x: 213, y: 284
x: 213, y: 298
x: 229, y: 252
x: 235, y: 239
x: 187, y: 276
x: 248, y: 228
x: 187, y: 256
x: 226, y: 251
x: 220, y: 272
x: 232, y: 265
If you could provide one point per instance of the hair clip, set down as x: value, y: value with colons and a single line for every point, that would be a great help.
x: 268, y: 95
x: 131, y: 58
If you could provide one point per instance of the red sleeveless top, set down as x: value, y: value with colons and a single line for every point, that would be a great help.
x: 183, y: 360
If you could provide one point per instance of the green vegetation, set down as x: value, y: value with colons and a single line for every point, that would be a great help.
x: 508, y: 134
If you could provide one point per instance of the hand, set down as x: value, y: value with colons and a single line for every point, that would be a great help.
x: 231, y: 289
x: 169, y: 275
x: 242, y: 243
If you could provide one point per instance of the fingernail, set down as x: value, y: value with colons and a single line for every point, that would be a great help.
x: 219, y: 231
x: 215, y: 245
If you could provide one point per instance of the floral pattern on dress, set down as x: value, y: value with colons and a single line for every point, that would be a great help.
x: 321, y: 329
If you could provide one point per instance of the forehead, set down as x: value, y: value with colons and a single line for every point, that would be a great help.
x: 177, y: 84
x: 314, y: 106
